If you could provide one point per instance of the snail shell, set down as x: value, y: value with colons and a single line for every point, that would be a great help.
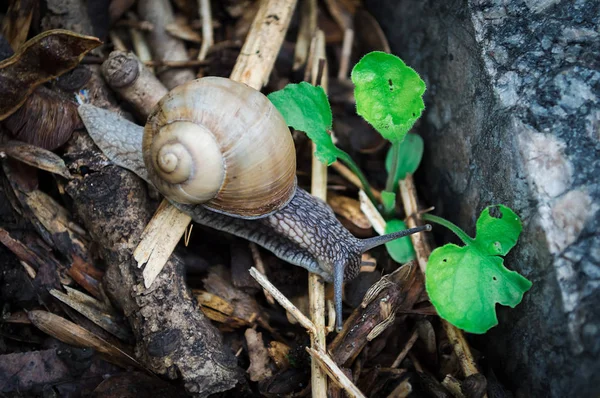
x: 222, y: 144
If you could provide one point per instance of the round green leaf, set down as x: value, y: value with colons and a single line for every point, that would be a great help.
x: 464, y: 286
x: 388, y: 94
x: 401, y: 250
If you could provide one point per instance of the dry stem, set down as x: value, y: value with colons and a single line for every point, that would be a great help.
x: 352, y: 178
x: 316, y: 285
x: 324, y: 360
x: 408, y: 194
x: 283, y: 301
x: 207, y: 29
x: 335, y: 372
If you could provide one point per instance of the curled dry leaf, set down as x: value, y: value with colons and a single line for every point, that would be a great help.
x: 218, y: 309
x: 37, y: 157
x: 398, y: 290
x: 369, y: 35
x: 45, y: 119
x: 42, y: 58
x: 17, y: 21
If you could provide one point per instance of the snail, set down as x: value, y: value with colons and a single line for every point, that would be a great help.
x: 221, y: 152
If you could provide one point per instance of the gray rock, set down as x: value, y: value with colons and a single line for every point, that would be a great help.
x: 513, y: 117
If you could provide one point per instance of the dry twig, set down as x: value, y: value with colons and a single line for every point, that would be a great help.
x: 316, y: 285
x: 408, y: 194
x: 207, y: 29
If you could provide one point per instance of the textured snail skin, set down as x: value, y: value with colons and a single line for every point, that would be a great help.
x: 304, y: 233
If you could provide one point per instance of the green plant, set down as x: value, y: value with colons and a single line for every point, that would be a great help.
x: 464, y: 283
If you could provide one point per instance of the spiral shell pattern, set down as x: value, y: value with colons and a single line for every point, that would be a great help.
x: 223, y: 144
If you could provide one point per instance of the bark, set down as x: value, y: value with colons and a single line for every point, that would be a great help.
x: 173, y: 338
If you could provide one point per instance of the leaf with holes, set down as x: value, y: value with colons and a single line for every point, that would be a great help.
x: 465, y: 283
x: 389, y: 94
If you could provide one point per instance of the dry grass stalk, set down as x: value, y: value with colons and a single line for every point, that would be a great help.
x: 336, y: 374
x: 140, y: 45
x: 371, y: 212
x: 324, y: 360
x: 260, y: 265
x: 207, y: 28
x: 409, y: 344
x: 257, y: 57
x: 316, y: 285
x: 163, y: 232
x: 283, y: 301
x: 306, y: 33
x: 408, y: 193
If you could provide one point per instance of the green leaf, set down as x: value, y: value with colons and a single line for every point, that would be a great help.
x: 465, y: 283
x: 498, y: 229
x: 389, y: 201
x: 389, y: 94
x: 400, y: 250
x: 409, y: 155
x: 305, y: 108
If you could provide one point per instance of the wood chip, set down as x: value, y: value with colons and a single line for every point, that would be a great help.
x: 259, y: 357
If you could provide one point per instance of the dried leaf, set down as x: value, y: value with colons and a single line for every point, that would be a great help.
x: 342, y: 12
x: 17, y: 21
x: 183, y: 32
x: 37, y: 157
x: 279, y: 354
x: 96, y: 311
x: 42, y: 58
x: 244, y: 305
x: 70, y: 333
x: 23, y: 371
x: 45, y: 119
x: 87, y: 276
x: 350, y: 209
x: 206, y: 299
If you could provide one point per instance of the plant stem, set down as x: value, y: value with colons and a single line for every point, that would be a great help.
x: 451, y: 226
x: 344, y: 157
x: 391, y: 179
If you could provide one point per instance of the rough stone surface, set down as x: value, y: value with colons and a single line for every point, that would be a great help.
x: 513, y: 117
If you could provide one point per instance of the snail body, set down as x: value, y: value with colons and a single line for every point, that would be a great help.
x: 252, y: 192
